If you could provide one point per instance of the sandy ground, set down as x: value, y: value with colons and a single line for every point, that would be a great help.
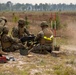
x: 43, y: 64
x: 40, y: 64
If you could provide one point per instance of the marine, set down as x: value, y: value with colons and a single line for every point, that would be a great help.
x: 8, y: 43
x: 44, y: 38
x: 20, y: 31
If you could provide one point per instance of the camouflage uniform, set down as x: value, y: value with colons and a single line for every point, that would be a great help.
x: 9, y: 44
x: 44, y: 38
x: 3, y: 21
x: 20, y: 31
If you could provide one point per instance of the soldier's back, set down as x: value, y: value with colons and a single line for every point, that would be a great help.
x: 15, y: 32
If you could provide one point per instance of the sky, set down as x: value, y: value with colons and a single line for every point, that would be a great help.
x: 40, y: 1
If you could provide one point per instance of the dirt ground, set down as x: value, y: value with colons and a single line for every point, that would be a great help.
x: 61, y: 62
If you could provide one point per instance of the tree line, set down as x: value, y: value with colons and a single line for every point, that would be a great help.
x: 9, y: 6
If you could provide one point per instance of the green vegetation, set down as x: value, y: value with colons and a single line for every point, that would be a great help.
x: 15, y: 18
x: 60, y: 70
x: 58, y: 24
x: 26, y: 21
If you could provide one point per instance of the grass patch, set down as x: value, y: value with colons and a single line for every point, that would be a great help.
x: 62, y: 70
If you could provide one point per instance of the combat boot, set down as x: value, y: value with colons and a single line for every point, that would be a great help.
x: 3, y: 53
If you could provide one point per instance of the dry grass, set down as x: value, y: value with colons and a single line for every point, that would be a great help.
x: 43, y: 64
x: 39, y: 64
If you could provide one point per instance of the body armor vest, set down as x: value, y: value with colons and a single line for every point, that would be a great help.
x: 21, y: 32
x: 47, y: 33
x: 5, y: 44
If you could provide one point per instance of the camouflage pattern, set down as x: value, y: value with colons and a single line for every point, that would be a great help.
x: 3, y: 22
x: 21, y: 21
x: 20, y: 31
x: 44, y: 23
x: 44, y: 44
x: 42, y: 47
x: 9, y: 44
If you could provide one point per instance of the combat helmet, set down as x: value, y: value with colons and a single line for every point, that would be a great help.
x: 3, y: 18
x: 21, y: 21
x: 43, y: 24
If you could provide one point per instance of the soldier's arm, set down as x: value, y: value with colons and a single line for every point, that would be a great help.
x: 12, y: 40
x: 14, y: 32
x: 39, y: 36
x: 26, y: 31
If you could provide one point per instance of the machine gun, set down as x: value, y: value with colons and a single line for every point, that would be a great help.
x: 28, y: 39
